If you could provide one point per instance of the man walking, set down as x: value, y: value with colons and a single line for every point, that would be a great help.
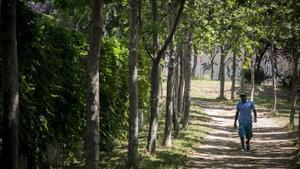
x: 244, y: 110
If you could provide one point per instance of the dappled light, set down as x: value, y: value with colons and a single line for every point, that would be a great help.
x: 272, y: 146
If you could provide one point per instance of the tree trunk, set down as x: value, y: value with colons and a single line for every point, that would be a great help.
x: 181, y: 80
x: 151, y: 145
x: 161, y: 81
x: 212, y: 65
x: 295, y: 94
x: 10, y: 152
x: 233, y: 76
x: 242, y: 75
x: 187, y: 88
x: 272, y: 57
x: 93, y: 102
x: 155, y: 81
x: 222, y: 73
x: 252, y: 88
x: 133, y: 88
x: 195, y: 62
x: 155, y: 73
x: 169, y: 102
x: 175, y: 99
x: 170, y: 85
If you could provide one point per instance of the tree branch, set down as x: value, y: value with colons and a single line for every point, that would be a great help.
x: 170, y: 36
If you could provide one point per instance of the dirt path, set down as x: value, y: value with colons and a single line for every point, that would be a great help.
x: 272, y: 146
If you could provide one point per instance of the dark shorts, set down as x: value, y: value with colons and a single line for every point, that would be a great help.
x: 245, y: 130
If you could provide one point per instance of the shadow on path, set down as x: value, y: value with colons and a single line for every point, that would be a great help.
x: 271, y: 147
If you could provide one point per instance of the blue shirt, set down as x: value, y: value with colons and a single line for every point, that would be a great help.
x: 245, y: 111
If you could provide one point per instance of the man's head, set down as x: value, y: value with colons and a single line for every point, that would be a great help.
x: 243, y: 97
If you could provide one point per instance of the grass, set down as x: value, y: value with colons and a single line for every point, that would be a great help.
x: 176, y: 156
x: 164, y: 158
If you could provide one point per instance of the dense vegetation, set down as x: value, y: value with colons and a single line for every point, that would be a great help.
x: 54, y: 46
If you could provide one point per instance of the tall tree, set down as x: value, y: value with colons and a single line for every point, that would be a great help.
x: 222, y: 72
x: 213, y: 54
x: 274, y: 88
x: 176, y: 94
x: 181, y: 78
x: 233, y: 76
x: 170, y: 83
x: 93, y: 102
x: 252, y: 70
x: 156, y: 57
x: 133, y: 88
x: 296, y: 82
x: 188, y: 78
x: 242, y: 73
x: 10, y: 84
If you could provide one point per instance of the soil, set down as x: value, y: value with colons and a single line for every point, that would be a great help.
x: 272, y: 146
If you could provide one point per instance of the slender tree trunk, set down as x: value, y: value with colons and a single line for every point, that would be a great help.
x: 187, y: 88
x: 212, y: 65
x: 175, y: 99
x: 233, y: 76
x: 169, y: 102
x: 155, y: 81
x: 252, y: 88
x: 181, y: 80
x: 195, y: 62
x: 295, y: 94
x: 242, y: 88
x: 133, y: 142
x: 151, y: 145
x: 161, y: 82
x: 93, y: 102
x: 272, y: 57
x: 10, y: 151
x: 141, y: 119
x: 222, y: 73
x: 170, y: 84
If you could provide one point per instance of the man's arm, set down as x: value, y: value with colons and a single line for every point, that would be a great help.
x: 255, y: 115
x: 236, y: 117
x: 254, y: 112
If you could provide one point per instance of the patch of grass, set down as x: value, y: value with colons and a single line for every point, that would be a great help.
x: 164, y: 158
x: 264, y: 98
x: 175, y: 157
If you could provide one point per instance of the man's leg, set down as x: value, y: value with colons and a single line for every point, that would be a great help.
x: 248, y: 144
x: 243, y: 143
x: 242, y: 133
x: 249, y: 134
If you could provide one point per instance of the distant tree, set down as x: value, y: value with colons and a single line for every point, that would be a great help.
x: 195, y: 61
x: 252, y: 70
x: 295, y: 90
x: 222, y: 72
x: 213, y: 54
x: 274, y: 81
x: 233, y: 76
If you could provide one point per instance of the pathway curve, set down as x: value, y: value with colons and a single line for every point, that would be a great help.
x: 272, y: 146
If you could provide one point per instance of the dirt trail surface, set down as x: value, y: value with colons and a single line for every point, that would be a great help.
x: 271, y: 147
